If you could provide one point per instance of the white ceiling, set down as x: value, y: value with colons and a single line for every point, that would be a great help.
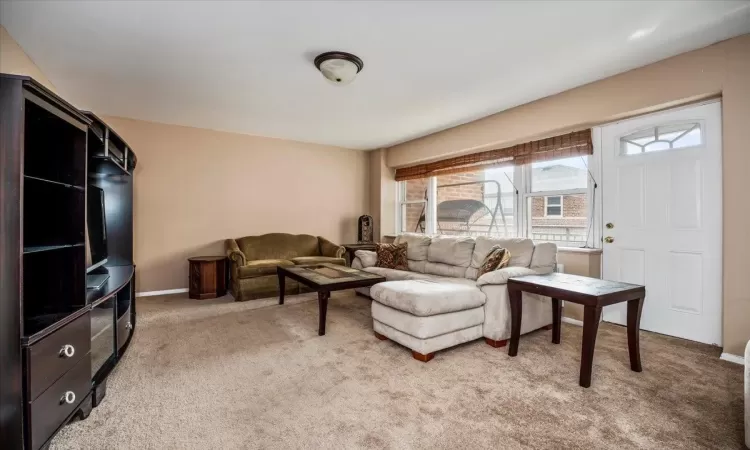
x: 429, y: 65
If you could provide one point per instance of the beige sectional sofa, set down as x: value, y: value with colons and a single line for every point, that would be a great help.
x: 439, y: 302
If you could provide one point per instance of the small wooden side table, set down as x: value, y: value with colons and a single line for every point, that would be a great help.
x: 593, y: 294
x: 208, y: 277
x: 351, y: 248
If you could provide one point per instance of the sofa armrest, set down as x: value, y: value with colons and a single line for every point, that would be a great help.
x: 501, y: 276
x: 328, y: 248
x: 234, y: 253
x: 544, y: 258
x: 365, y: 258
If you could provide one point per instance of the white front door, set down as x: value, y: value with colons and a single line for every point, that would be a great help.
x: 662, y: 210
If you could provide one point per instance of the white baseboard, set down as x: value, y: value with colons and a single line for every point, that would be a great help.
x: 167, y: 292
x: 733, y: 358
x: 572, y: 321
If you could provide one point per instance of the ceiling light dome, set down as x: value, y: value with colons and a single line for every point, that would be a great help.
x: 339, y: 67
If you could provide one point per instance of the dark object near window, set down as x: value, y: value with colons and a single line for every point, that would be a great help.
x: 364, y: 229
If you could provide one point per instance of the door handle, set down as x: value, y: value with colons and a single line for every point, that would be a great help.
x: 609, y: 239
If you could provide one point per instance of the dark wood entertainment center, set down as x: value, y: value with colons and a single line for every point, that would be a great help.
x: 58, y: 340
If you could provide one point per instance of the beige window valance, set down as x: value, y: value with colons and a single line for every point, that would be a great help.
x: 577, y: 143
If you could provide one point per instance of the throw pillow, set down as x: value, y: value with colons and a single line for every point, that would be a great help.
x: 497, y: 258
x: 392, y: 256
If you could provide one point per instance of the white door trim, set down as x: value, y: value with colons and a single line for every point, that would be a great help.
x: 656, y: 113
x: 712, y: 224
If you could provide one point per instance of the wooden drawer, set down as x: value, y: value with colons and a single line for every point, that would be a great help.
x: 124, y: 328
x: 47, y: 359
x: 50, y: 409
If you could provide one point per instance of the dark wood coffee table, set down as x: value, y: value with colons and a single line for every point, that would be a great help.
x: 593, y: 294
x: 325, y: 278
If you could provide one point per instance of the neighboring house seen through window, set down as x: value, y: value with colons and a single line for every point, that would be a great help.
x: 553, y: 206
x: 546, y: 201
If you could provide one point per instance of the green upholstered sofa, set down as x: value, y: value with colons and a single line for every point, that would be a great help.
x: 254, y: 260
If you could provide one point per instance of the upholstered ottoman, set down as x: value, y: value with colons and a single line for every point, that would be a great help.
x: 427, y: 316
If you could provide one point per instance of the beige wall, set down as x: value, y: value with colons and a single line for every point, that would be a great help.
x: 196, y: 187
x: 382, y: 195
x: 14, y: 60
x: 691, y: 76
x: 721, y: 69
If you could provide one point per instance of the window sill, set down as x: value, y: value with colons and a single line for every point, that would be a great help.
x: 590, y: 251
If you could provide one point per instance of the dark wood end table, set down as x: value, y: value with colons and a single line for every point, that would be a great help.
x: 593, y: 294
x: 351, y: 248
x: 207, y: 277
x: 323, y: 279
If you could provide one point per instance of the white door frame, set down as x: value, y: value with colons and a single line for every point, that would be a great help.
x: 599, y: 224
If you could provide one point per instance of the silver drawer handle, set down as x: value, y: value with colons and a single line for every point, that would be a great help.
x: 69, y: 397
x: 67, y: 351
x: 128, y: 326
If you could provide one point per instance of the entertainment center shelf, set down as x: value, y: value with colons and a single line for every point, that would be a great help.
x: 118, y: 277
x: 47, y: 248
x: 66, y: 200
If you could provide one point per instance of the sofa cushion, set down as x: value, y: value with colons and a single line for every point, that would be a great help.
x: 318, y: 260
x: 417, y: 245
x: 366, y: 257
x: 261, y: 267
x: 427, y: 327
x: 395, y: 275
x: 392, y: 256
x: 278, y: 246
x: 444, y: 270
x: 544, y: 258
x: 417, y: 266
x: 520, y: 249
x: 454, y: 280
x: 426, y: 297
x: 453, y: 250
x: 497, y: 258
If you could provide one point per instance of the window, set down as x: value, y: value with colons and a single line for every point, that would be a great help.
x: 545, y: 201
x: 553, y: 206
x: 559, y: 175
x: 412, y: 205
x: 481, y: 202
x: 557, y: 201
x: 563, y: 219
x: 666, y: 137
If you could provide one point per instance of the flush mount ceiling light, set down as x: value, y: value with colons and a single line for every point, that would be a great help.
x: 339, y: 67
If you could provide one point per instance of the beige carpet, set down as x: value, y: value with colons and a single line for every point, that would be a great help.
x: 225, y: 375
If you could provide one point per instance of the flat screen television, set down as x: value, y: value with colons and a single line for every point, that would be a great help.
x: 96, y: 229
